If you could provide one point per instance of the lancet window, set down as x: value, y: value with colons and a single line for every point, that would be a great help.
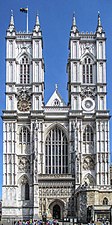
x: 87, y: 70
x: 25, y: 191
x: 24, y: 135
x: 105, y: 201
x: 24, y: 71
x: 24, y: 140
x: 88, y: 139
x: 56, y: 152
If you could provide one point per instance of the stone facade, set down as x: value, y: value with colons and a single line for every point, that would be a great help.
x: 56, y: 156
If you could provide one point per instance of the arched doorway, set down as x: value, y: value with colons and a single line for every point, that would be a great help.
x: 56, y: 212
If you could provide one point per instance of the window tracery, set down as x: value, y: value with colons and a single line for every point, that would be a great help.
x: 24, y: 140
x: 24, y: 71
x: 88, y: 139
x: 87, y: 70
x: 24, y: 136
x: 56, y: 152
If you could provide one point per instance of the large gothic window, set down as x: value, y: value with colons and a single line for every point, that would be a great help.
x: 87, y: 71
x: 24, y: 71
x: 88, y: 139
x: 56, y: 152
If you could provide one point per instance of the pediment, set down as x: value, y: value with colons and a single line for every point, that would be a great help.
x: 55, y: 100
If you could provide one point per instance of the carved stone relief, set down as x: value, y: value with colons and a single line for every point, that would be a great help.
x: 88, y: 92
x: 88, y: 164
x: 55, y: 191
x: 24, y: 99
x: 24, y: 165
x: 87, y: 46
x: 89, y: 180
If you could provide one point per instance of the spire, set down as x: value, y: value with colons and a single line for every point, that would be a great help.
x: 11, y: 24
x: 99, y: 26
x: 37, y: 24
x: 74, y: 26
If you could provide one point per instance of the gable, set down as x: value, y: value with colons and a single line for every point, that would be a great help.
x: 55, y: 100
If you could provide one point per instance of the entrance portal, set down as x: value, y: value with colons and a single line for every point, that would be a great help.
x: 56, y: 212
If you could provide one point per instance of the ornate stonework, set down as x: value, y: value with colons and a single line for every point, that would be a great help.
x: 88, y: 92
x: 24, y: 100
x: 24, y: 165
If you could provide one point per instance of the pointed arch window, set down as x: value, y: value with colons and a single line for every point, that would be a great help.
x: 88, y: 140
x: 24, y: 136
x: 24, y: 70
x: 25, y: 194
x: 56, y: 152
x: 26, y: 191
x: 88, y: 134
x: 105, y: 201
x: 87, y: 70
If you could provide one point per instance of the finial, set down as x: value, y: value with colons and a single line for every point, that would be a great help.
x: 37, y: 19
x: 99, y: 19
x: 74, y: 26
x: 11, y: 12
x: 12, y: 18
x: 11, y: 24
x: 74, y: 20
x: 56, y: 87
x: 99, y: 25
x: 37, y: 24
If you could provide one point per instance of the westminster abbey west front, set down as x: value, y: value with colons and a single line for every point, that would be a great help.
x: 56, y: 155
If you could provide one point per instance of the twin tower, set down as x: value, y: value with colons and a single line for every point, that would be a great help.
x: 56, y: 156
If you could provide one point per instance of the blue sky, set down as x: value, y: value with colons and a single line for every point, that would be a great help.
x: 55, y: 19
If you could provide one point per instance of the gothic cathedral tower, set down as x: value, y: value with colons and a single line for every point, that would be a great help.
x: 24, y: 103
x: 55, y: 156
x: 87, y: 99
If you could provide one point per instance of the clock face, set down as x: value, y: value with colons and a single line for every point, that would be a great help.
x: 88, y: 104
x: 24, y: 105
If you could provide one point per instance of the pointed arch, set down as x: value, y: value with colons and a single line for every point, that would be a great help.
x: 24, y: 135
x: 86, y: 54
x: 105, y: 201
x: 88, y: 134
x: 88, y: 139
x: 60, y: 126
x: 56, y: 151
x: 56, y: 207
x: 24, y: 140
x: 89, y: 180
x: 24, y: 70
x: 24, y: 188
x: 24, y: 61
x: 87, y: 61
x: 23, y: 53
